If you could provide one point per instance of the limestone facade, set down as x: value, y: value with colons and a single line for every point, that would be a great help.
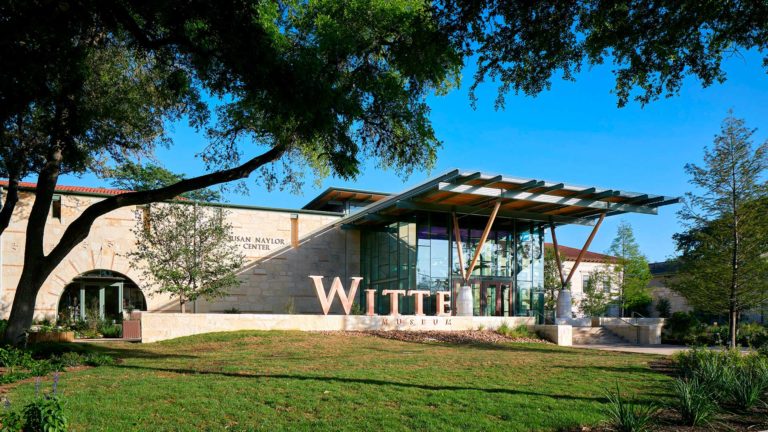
x: 274, y: 280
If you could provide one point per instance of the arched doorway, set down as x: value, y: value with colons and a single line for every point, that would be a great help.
x: 104, y: 294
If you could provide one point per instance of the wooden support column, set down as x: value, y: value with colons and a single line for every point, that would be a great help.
x: 557, y: 255
x: 457, y: 236
x: 486, y: 231
x: 584, y: 249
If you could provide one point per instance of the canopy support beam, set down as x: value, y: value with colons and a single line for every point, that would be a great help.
x: 584, y: 249
x: 484, y: 237
x: 457, y: 236
x: 557, y: 255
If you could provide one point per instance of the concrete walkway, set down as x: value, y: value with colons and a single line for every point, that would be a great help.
x: 638, y: 349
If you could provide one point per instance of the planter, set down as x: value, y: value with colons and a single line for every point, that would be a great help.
x: 564, y: 304
x: 66, y: 336
x: 464, y: 304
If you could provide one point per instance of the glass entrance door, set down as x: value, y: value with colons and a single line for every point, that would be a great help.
x: 491, y: 297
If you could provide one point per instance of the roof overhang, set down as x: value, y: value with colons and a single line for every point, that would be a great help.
x: 475, y: 193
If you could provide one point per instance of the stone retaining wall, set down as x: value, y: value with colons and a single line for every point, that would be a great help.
x: 162, y: 326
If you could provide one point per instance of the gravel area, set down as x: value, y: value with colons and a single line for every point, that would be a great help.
x: 454, y: 337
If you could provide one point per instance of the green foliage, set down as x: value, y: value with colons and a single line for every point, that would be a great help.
x: 15, y: 358
x: 595, y: 300
x: 651, y: 48
x: 96, y: 359
x: 109, y: 329
x: 694, y: 401
x: 45, y: 414
x: 186, y: 251
x: 729, y: 377
x: 663, y: 307
x: 70, y: 359
x: 722, y: 264
x: 630, y: 271
x: 681, y: 327
x: 627, y: 415
x: 520, y: 331
x: 753, y: 335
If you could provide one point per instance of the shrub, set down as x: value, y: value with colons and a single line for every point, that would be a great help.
x: 110, y: 329
x: 43, y: 367
x: 95, y: 359
x: 70, y: 359
x: 12, y: 377
x: 44, y: 413
x: 628, y: 415
x: 681, y: 327
x: 520, y: 331
x: 748, y: 381
x: 694, y: 401
x: 12, y: 357
x: 663, y: 307
x: 752, y: 335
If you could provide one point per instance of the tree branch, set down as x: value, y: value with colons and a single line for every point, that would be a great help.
x: 11, y: 198
x: 78, y: 230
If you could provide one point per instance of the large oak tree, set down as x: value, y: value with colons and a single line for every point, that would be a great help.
x: 283, y: 88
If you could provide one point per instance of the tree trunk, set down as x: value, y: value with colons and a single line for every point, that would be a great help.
x: 23, y: 310
x: 733, y: 320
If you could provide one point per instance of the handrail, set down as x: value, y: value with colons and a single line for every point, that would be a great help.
x: 637, y: 329
x: 634, y: 314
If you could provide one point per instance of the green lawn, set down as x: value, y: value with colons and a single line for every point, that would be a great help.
x: 301, y: 381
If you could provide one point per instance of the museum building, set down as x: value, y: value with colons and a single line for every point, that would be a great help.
x: 485, y: 231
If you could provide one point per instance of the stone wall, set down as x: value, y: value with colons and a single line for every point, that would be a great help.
x: 157, y: 327
x: 276, y: 273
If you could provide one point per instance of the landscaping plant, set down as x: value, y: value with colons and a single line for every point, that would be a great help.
x: 629, y: 416
x: 694, y: 401
x: 44, y: 413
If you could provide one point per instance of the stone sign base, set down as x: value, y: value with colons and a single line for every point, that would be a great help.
x: 161, y: 326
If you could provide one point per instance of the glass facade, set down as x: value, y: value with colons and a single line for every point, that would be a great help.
x: 422, y: 254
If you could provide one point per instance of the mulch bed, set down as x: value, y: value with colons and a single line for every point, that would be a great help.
x: 452, y: 337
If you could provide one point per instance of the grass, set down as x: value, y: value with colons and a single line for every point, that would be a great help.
x: 302, y: 381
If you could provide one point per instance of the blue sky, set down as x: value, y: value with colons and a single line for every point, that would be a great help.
x: 573, y: 133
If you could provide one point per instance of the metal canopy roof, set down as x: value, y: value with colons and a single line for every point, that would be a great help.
x: 521, y: 198
x: 343, y: 194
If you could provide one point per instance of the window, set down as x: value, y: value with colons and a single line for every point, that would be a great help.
x: 56, y: 207
x: 607, y: 285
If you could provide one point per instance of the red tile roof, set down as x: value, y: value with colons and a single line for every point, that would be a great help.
x: 570, y: 254
x: 69, y: 189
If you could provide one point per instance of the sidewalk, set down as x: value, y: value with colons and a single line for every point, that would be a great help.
x: 665, y: 350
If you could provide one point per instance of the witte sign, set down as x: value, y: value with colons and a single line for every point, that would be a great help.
x: 347, y: 298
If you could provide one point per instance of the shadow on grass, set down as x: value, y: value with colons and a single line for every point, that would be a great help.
x: 45, y: 350
x: 367, y: 381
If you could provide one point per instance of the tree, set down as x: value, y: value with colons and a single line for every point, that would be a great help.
x: 629, y: 269
x: 651, y: 46
x: 595, y: 300
x: 723, y: 265
x: 131, y: 176
x: 295, y: 87
x: 186, y: 252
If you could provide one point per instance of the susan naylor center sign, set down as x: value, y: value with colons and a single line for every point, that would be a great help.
x: 257, y: 242
x: 347, y: 298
